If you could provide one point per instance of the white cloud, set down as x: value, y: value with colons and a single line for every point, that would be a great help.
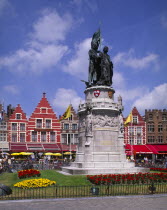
x: 129, y: 59
x: 155, y: 99
x: 64, y: 97
x: 78, y: 65
x: 33, y: 59
x: 51, y: 27
x: 13, y: 89
x: 43, y: 50
x: 118, y: 80
x: 131, y: 94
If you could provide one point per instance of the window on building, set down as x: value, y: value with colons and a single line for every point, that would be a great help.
x: 135, y: 119
x: 75, y: 138
x: 150, y: 117
x: 3, y: 136
x: 150, y: 127
x: 14, y: 126
x: 160, y: 128
x: 39, y: 123
x: 18, y: 116
x: 22, y: 137
x: 69, y: 139
x: 3, y: 126
x: 43, y: 110
x: 139, y: 131
x: 48, y: 123
x: 52, y: 137
x: 34, y: 136
x: 14, y: 137
x: 131, y: 131
x: 71, y: 118
x: 66, y: 126
x: 64, y: 138
x: 164, y: 117
x: 151, y: 139
x: 160, y: 139
x: 43, y: 136
x: 139, y: 140
x: 131, y: 140
x: 74, y: 126
x: 22, y: 126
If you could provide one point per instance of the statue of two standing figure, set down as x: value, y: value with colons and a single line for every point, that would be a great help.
x: 100, y: 65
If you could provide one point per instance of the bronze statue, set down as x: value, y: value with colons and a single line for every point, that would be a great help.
x: 94, y: 64
x: 100, y: 65
x: 106, y: 68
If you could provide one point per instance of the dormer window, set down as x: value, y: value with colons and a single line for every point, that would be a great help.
x: 18, y: 116
x: 43, y: 110
x: 70, y: 118
x: 135, y: 119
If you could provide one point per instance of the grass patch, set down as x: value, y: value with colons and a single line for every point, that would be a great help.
x: 10, y: 179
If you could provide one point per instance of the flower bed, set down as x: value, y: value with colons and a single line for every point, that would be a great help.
x: 28, y: 173
x: 127, y: 178
x: 159, y: 169
x: 34, y: 183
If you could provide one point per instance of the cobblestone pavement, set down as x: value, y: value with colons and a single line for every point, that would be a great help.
x: 158, y: 202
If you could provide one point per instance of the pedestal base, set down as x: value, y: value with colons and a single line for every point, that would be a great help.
x: 98, y: 171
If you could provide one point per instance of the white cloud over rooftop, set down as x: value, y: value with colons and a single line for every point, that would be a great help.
x: 154, y: 99
x: 64, y: 97
x: 129, y: 59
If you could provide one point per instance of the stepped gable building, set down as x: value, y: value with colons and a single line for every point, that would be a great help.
x: 69, y: 132
x: 135, y: 131
x: 43, y: 128
x: 17, y: 130
x: 156, y: 123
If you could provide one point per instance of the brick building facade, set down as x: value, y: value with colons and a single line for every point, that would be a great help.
x: 135, y: 131
x: 40, y: 133
x: 156, y: 124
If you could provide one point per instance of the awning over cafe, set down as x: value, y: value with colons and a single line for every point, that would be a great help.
x: 161, y: 148
x: 141, y: 149
x: 146, y: 149
x: 137, y: 149
x: 152, y: 148
x: 30, y: 147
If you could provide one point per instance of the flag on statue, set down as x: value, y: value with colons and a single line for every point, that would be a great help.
x: 67, y: 113
x: 128, y: 119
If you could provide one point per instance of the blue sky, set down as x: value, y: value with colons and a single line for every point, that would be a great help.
x: 45, y: 43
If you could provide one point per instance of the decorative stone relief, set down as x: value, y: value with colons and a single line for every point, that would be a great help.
x: 88, y: 130
x: 105, y: 121
x: 82, y: 123
x: 121, y: 123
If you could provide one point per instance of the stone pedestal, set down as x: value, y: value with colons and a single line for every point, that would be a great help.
x: 100, y: 148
